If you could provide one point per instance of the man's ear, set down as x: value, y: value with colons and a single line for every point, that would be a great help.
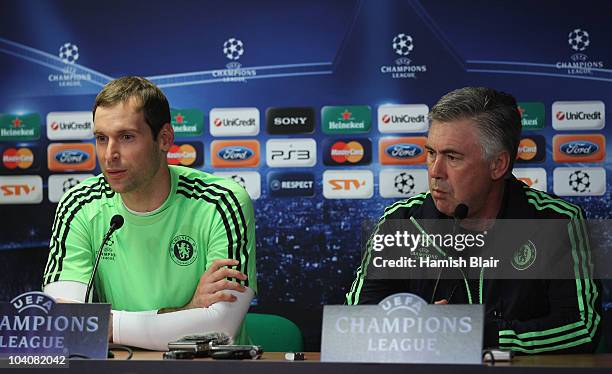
x: 165, y: 138
x: 500, y: 165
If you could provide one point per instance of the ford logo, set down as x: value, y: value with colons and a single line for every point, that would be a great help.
x: 235, y: 153
x: 579, y: 148
x: 403, y: 150
x: 71, y: 156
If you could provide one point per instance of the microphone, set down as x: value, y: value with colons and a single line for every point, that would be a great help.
x: 461, y: 211
x: 115, y: 223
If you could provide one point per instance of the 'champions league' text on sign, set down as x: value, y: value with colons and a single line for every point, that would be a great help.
x: 33, y: 324
x: 402, y: 328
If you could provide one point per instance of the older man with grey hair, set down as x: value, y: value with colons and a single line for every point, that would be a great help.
x: 471, y: 147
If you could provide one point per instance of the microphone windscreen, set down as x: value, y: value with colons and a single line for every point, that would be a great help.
x: 461, y: 211
x: 219, y: 338
x: 117, y: 221
x: 214, y: 338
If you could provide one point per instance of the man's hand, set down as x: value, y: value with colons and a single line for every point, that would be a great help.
x: 212, y: 284
x: 441, y: 302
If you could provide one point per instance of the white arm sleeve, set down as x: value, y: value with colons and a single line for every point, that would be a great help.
x: 153, y: 331
x: 67, y: 290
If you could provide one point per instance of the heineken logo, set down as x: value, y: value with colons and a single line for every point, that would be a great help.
x: 346, y: 119
x: 183, y: 250
x: 19, y: 127
x: 187, y: 122
x: 524, y: 256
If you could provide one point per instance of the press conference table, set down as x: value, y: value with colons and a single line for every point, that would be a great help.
x: 271, y: 362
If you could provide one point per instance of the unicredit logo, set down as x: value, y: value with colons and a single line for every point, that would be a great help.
x: 400, y: 119
x: 235, y: 153
x: 579, y: 148
x: 234, y: 122
x: 403, y: 150
x: 561, y: 116
x: 71, y: 125
x: 71, y: 156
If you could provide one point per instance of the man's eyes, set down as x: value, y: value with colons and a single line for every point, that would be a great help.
x: 124, y: 137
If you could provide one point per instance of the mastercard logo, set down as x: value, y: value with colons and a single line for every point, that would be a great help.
x: 527, y: 149
x: 351, y: 152
x: 21, y: 158
x: 185, y: 155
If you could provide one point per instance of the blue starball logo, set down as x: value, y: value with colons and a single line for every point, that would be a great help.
x: 403, y: 150
x: 579, y: 148
x: 71, y: 156
x: 235, y: 153
x: 275, y: 185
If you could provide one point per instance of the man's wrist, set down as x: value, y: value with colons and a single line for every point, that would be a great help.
x: 174, y: 309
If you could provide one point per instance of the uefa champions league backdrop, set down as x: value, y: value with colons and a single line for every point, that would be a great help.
x: 317, y: 107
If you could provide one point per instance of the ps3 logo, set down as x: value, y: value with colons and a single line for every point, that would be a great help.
x: 293, y: 154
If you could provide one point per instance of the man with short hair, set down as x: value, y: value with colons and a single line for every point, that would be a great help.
x: 471, y: 148
x: 184, y: 260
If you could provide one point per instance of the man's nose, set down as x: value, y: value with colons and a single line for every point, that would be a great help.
x: 112, y: 151
x: 437, y: 168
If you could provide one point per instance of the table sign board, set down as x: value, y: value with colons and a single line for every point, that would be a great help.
x: 403, y: 328
x: 33, y: 324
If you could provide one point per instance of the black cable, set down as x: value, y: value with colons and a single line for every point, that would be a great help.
x: 78, y: 355
x: 490, y: 354
x: 120, y: 347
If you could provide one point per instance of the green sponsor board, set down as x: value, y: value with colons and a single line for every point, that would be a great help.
x: 532, y: 115
x: 187, y: 122
x: 346, y: 119
x: 19, y: 127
